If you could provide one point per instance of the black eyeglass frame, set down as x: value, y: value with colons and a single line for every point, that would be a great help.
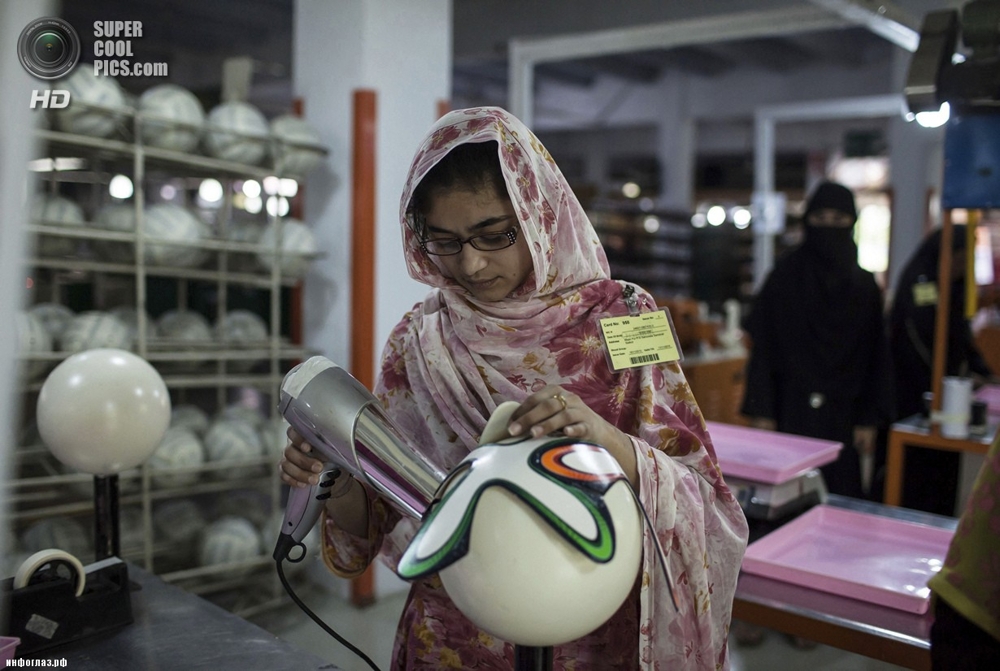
x: 511, y: 234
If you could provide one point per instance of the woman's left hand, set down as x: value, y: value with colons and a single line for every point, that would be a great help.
x: 555, y: 409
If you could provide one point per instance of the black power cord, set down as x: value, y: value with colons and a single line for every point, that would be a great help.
x: 315, y: 618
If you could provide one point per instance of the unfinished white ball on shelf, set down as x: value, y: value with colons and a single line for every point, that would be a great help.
x: 116, y: 218
x: 54, y: 317
x: 63, y: 533
x: 299, y: 147
x: 97, y: 105
x: 130, y: 317
x: 180, y: 448
x: 242, y: 327
x: 190, y: 417
x: 179, y: 521
x: 165, y: 223
x: 183, y: 330
x: 297, y: 244
x: 184, y: 325
x: 229, y: 539
x: 237, y: 131
x: 52, y: 210
x: 32, y: 338
x: 242, y: 413
x: 172, y: 117
x: 93, y: 330
x: 233, y: 442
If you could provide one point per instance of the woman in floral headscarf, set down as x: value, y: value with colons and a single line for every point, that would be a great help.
x: 519, y: 283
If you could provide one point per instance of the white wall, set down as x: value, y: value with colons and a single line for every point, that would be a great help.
x: 402, y: 50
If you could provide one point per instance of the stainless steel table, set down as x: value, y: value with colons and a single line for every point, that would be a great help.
x: 863, y: 628
x: 174, y: 629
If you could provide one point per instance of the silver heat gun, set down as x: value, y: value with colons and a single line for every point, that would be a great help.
x: 346, y: 427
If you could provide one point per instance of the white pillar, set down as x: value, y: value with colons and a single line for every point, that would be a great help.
x: 402, y: 50
x: 15, y: 151
x: 676, y: 145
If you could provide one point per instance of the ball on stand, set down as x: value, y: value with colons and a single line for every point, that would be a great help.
x: 103, y: 411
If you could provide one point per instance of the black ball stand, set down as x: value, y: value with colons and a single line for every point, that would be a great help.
x: 106, y: 531
x: 529, y: 658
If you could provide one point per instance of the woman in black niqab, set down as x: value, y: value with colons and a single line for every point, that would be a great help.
x: 819, y: 363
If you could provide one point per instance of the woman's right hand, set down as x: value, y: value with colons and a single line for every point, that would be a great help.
x: 298, y: 469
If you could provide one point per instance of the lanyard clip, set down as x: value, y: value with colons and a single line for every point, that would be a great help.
x: 630, y: 300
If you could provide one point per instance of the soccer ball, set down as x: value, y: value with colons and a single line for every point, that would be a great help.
x: 237, y: 131
x: 297, y: 244
x: 171, y: 118
x: 299, y: 150
x: 50, y: 210
x: 97, y: 104
x: 165, y: 223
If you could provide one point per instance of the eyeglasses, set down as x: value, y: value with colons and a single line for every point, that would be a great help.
x: 488, y: 242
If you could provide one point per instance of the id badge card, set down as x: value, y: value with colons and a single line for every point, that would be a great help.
x: 925, y: 293
x: 638, y: 340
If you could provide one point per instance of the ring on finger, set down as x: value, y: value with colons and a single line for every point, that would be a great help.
x: 561, y: 399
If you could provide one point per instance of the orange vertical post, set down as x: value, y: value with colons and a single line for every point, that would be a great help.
x: 363, y: 271
x: 941, y: 318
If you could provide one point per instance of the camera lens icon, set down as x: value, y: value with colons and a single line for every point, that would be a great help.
x: 48, y: 48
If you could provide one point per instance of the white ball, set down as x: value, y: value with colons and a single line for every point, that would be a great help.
x: 189, y: 417
x: 179, y: 521
x: 232, y: 441
x: 237, y: 131
x: 242, y: 413
x: 54, y: 317
x: 179, y: 330
x: 51, y: 210
x: 297, y: 243
x: 103, y: 411
x: 129, y: 316
x: 180, y: 448
x: 94, y: 330
x: 497, y: 543
x: 248, y: 232
x: 242, y: 327
x: 184, y: 325
x: 229, y: 539
x: 32, y: 338
x: 118, y: 218
x: 164, y: 223
x: 97, y: 104
x: 175, y: 120
x: 63, y: 533
x: 299, y: 148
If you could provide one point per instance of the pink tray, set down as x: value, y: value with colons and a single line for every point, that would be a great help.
x: 868, y: 557
x: 767, y: 456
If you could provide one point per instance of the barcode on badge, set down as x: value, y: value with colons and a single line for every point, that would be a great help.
x: 645, y: 358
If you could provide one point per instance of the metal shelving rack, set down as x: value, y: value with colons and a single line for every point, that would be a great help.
x: 42, y: 494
